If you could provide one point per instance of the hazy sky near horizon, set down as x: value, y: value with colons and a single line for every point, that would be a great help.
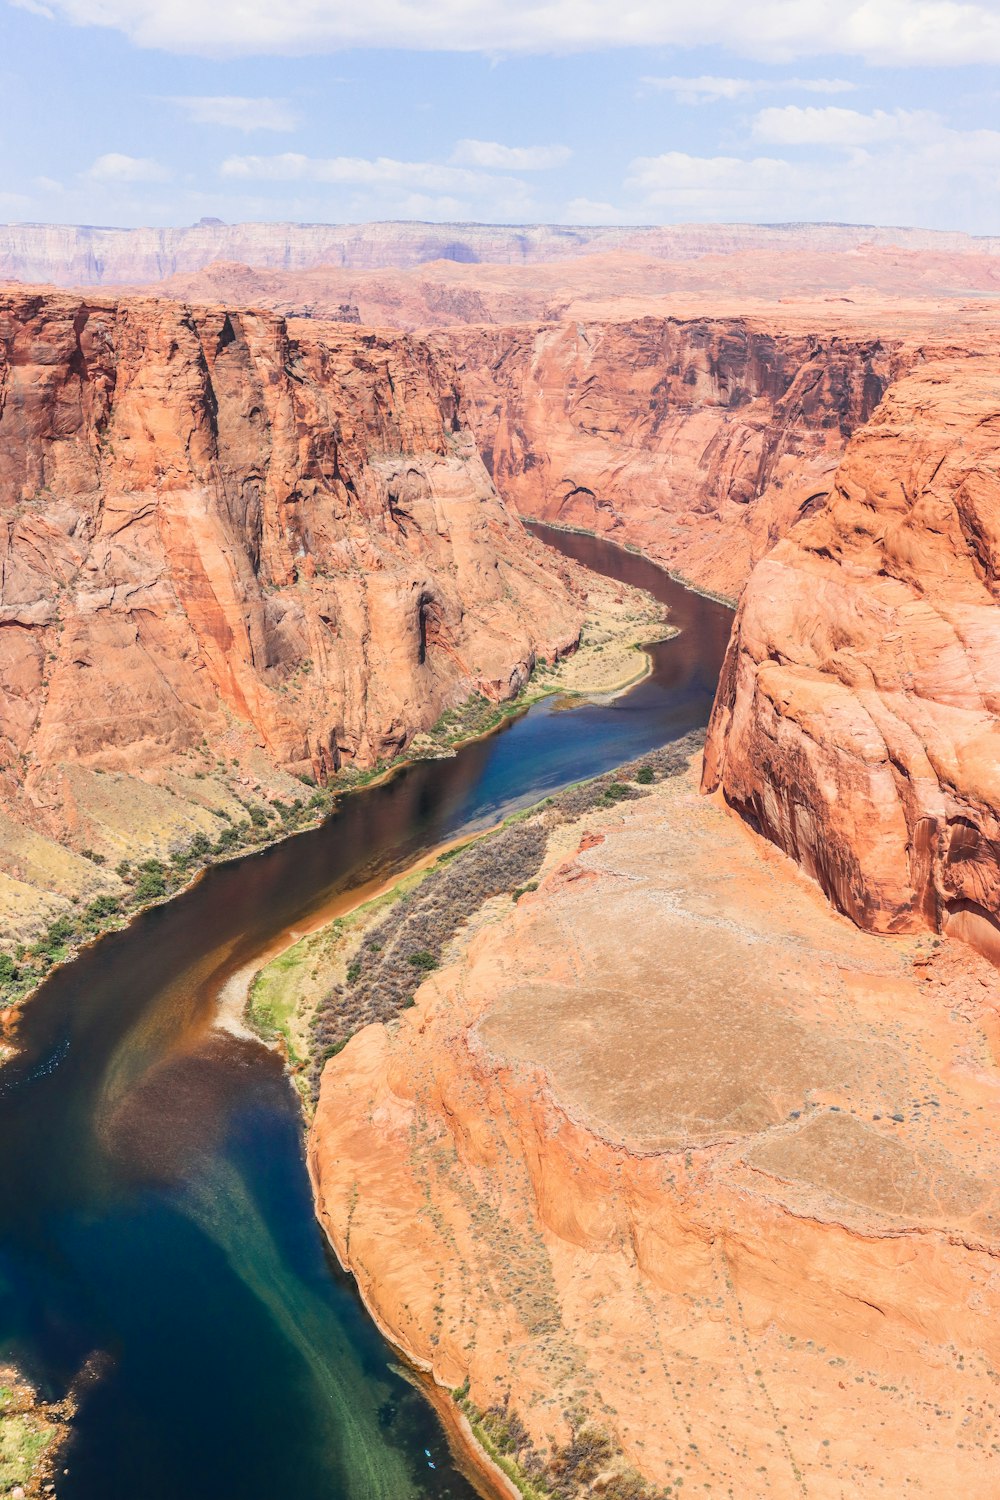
x: 573, y: 111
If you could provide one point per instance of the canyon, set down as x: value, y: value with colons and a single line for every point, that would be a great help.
x: 677, y: 1171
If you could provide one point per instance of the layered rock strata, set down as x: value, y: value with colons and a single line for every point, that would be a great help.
x: 81, y: 254
x: 701, y: 442
x: 675, y: 1166
x: 230, y: 536
x: 856, y: 722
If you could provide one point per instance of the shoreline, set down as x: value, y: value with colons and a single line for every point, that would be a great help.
x: 471, y: 1455
x: 506, y: 710
x: 456, y: 1420
x: 456, y: 1424
x: 681, y: 578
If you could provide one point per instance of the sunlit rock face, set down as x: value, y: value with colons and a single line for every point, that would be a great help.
x: 856, y: 720
x: 699, y: 441
x: 222, y: 525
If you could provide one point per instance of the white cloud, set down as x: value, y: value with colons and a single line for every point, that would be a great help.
x: 237, y: 112
x: 492, y: 155
x: 893, y: 32
x: 707, y: 89
x: 904, y: 168
x: 384, y: 185
x: 832, y: 126
x: 591, y: 211
x: 358, y: 171
x: 116, y: 167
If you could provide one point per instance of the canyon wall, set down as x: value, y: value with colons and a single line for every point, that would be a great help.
x: 229, y: 536
x: 700, y: 442
x: 83, y: 254
x: 856, y: 722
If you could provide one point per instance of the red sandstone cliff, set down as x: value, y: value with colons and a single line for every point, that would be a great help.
x: 225, y: 532
x: 701, y: 441
x: 857, y: 717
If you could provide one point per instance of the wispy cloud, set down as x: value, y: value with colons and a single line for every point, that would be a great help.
x: 383, y: 184
x: 791, y: 125
x: 491, y: 155
x: 708, y: 89
x: 904, y: 167
x: 237, y: 112
x: 114, y: 166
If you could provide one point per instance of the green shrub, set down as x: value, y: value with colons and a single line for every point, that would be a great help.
x: 151, y: 883
x: 644, y: 775
x: 423, y: 960
x: 100, y: 910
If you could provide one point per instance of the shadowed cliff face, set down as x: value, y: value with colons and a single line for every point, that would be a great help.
x: 221, y: 530
x: 701, y: 442
x: 857, y: 717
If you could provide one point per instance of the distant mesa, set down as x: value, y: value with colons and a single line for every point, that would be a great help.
x: 81, y: 255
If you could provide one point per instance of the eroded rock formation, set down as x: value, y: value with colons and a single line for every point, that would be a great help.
x: 228, y: 535
x: 698, y: 441
x: 673, y: 1154
x: 857, y: 717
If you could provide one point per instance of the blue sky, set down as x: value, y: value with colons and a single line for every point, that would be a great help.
x: 575, y: 111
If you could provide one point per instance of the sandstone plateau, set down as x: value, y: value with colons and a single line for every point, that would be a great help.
x: 600, y: 284
x: 226, y: 536
x: 671, y: 1152
x: 83, y: 254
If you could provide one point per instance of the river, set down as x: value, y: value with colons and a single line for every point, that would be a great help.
x: 154, y: 1202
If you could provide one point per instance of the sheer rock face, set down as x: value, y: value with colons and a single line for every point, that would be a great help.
x: 856, y: 719
x: 216, y: 522
x: 700, y: 442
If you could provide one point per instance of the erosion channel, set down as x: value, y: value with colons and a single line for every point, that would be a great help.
x: 154, y: 1203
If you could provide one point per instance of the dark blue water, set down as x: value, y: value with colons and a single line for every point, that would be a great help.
x: 154, y: 1204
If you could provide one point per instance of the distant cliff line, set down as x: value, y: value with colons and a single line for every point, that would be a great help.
x: 88, y: 255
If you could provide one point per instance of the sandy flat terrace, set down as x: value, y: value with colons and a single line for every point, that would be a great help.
x: 689, y: 989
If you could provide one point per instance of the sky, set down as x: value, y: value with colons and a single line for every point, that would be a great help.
x: 160, y: 112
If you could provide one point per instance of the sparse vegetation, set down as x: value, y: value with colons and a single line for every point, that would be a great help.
x: 411, y: 939
x: 589, y: 1464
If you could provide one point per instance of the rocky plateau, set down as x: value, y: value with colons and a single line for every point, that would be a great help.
x: 673, y: 1165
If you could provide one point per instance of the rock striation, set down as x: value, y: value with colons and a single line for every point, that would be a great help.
x: 83, y: 254
x: 856, y: 722
x: 700, y: 441
x: 226, y: 534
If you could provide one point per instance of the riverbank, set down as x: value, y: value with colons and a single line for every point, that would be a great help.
x: 608, y: 659
x: 365, y: 966
x: 632, y: 1174
x: 729, y: 600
